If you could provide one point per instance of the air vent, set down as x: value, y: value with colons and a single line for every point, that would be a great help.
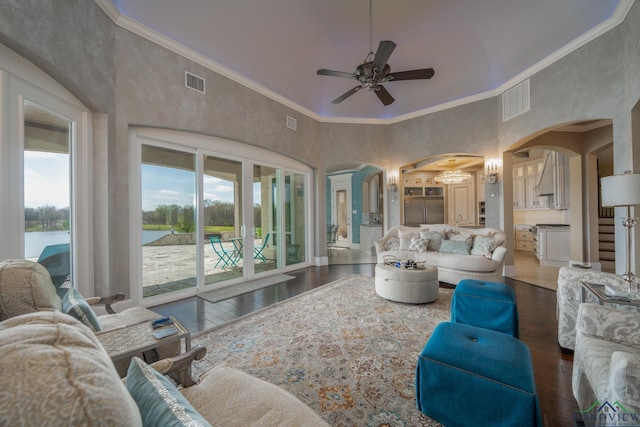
x: 292, y: 123
x: 194, y: 82
x: 515, y: 101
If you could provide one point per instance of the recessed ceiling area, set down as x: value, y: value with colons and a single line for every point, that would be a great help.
x: 477, y: 48
x: 444, y: 162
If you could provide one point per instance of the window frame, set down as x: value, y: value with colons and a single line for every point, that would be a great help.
x: 205, y: 145
x: 38, y: 88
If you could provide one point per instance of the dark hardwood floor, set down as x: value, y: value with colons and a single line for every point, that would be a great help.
x: 536, y: 307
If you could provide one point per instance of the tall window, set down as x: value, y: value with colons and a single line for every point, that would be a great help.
x: 47, y: 191
x: 44, y: 160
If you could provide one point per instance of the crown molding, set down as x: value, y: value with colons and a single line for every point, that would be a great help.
x: 129, y: 24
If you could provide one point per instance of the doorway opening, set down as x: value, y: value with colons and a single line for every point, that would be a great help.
x: 356, y: 206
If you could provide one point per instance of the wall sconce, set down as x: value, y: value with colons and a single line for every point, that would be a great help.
x: 492, y: 176
x: 393, y: 185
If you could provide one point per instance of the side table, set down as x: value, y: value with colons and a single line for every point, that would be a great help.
x: 599, y: 292
x: 131, y: 340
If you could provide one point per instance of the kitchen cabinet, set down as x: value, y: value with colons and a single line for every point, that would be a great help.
x: 368, y: 234
x: 553, y: 245
x: 553, y: 182
x: 525, y: 180
x: 462, y: 203
x: 532, y: 172
x: 525, y: 238
x: 518, y: 188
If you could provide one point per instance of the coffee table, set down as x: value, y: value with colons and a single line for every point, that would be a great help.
x: 408, y: 285
x: 131, y: 340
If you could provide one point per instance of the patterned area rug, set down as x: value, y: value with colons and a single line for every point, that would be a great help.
x: 343, y: 350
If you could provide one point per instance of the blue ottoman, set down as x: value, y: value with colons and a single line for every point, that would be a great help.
x: 485, y: 304
x: 471, y: 376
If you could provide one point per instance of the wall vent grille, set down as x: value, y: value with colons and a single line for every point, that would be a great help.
x: 194, y: 82
x: 516, y: 101
x: 292, y: 123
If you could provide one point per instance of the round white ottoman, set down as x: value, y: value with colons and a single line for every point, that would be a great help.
x: 405, y: 285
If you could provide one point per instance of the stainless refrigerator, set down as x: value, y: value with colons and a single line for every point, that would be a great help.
x: 423, y: 210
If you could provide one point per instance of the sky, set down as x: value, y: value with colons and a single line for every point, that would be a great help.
x: 47, y: 183
x: 46, y: 179
x: 167, y: 186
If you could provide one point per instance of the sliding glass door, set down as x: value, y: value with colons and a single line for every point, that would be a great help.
x: 223, y: 219
x: 294, y: 221
x: 200, y: 225
x: 168, y: 189
x: 266, y: 214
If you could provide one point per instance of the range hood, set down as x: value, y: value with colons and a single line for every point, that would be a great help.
x: 545, y: 184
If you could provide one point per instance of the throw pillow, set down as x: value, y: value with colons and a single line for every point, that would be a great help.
x: 25, y: 287
x: 460, y: 236
x: 455, y: 247
x: 57, y: 373
x: 406, y: 233
x: 483, y: 245
x: 159, y: 401
x: 405, y: 242
x: 74, y: 304
x: 435, y: 239
x: 392, y: 244
x: 419, y: 245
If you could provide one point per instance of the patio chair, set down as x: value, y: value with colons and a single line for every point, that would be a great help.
x: 57, y: 260
x: 257, y: 252
x: 226, y: 257
x: 332, y: 236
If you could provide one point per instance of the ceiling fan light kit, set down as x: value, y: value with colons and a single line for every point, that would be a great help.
x: 375, y: 71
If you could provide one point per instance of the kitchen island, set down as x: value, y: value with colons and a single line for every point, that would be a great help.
x: 553, y: 244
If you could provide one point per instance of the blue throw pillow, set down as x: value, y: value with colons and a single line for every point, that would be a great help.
x: 74, y: 304
x: 435, y: 239
x: 455, y: 247
x: 159, y: 401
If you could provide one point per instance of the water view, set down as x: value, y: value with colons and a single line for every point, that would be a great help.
x: 36, y: 241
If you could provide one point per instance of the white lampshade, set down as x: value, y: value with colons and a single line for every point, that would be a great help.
x: 621, y: 190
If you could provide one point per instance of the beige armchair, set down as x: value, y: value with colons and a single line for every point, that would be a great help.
x: 606, y: 364
x: 56, y: 372
x: 26, y: 287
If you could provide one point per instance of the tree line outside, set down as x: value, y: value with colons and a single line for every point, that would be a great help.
x: 46, y: 218
x: 181, y: 218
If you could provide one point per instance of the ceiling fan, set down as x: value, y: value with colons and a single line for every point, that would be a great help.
x: 375, y: 70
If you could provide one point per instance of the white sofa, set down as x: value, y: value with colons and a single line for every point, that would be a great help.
x: 606, y: 365
x: 483, y: 260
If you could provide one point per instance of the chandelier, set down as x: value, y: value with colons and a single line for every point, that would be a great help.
x: 453, y: 175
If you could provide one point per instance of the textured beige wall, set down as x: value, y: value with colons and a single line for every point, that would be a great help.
x: 135, y: 82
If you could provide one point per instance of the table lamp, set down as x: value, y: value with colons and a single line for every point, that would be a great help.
x: 624, y: 190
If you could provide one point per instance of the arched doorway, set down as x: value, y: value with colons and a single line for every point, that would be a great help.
x: 564, y: 156
x: 428, y: 197
x: 356, y: 205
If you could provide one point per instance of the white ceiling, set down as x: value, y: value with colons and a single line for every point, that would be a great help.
x: 477, y: 48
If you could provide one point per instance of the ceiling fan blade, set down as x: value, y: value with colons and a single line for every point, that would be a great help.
x: 323, y: 72
x: 385, y: 48
x: 345, y: 95
x: 425, y: 73
x: 384, y: 96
